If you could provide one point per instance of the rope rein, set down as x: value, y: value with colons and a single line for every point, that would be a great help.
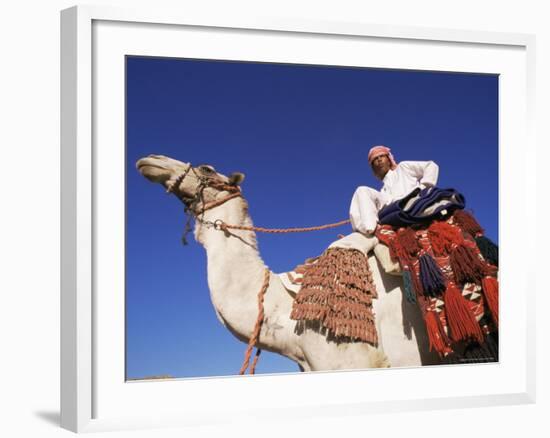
x: 191, y: 203
x: 223, y: 226
x: 257, y: 328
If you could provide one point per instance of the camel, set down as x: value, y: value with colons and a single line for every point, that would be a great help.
x: 236, y: 270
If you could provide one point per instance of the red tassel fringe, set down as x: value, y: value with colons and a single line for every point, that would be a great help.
x: 490, y: 289
x: 405, y: 260
x: 436, y: 336
x: 467, y: 223
x: 442, y: 237
x: 407, y: 241
x: 466, y: 265
x: 460, y: 319
x: 450, y: 240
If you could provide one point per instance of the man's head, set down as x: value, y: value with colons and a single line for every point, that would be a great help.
x: 381, y: 160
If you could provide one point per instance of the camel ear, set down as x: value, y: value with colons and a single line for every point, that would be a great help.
x: 236, y: 178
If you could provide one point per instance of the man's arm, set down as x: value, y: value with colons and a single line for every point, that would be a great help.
x: 426, y: 172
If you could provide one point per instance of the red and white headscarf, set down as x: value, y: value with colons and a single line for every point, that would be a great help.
x: 376, y: 151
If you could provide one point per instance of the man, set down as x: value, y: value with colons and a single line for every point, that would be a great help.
x: 399, y: 181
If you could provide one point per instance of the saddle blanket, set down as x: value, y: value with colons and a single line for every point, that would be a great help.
x: 292, y: 280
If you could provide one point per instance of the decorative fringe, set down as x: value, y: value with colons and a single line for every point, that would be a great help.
x: 436, y: 335
x: 443, y: 236
x: 466, y: 265
x: 436, y: 254
x: 467, y: 222
x: 488, y: 249
x: 337, y: 292
x: 417, y: 284
x: 406, y: 263
x: 433, y: 281
x: 490, y: 289
x: 460, y: 319
x: 409, y: 287
x: 407, y: 241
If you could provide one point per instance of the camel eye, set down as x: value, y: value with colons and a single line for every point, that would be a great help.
x: 207, y: 170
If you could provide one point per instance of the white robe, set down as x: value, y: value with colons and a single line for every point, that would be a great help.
x: 398, y: 183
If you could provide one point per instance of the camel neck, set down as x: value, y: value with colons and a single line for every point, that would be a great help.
x: 227, y: 248
x: 235, y: 268
x: 234, y: 212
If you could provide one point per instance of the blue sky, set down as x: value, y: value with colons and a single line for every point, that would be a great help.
x: 301, y: 135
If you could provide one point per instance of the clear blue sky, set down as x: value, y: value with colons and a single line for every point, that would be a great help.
x: 301, y: 135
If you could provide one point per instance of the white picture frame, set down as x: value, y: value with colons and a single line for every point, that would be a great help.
x: 93, y: 397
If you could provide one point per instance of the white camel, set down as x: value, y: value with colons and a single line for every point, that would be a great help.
x: 236, y: 274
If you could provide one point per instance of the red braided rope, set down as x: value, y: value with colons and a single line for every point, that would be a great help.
x: 235, y: 193
x: 225, y: 226
x: 256, y: 332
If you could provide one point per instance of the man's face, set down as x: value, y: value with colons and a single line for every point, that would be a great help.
x: 380, y: 166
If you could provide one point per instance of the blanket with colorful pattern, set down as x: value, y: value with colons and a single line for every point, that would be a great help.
x: 450, y: 270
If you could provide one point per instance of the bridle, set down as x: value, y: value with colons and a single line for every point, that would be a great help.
x: 192, y: 203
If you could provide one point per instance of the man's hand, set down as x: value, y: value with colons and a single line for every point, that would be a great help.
x: 425, y: 185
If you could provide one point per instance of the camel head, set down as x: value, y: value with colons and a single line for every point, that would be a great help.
x: 192, y: 184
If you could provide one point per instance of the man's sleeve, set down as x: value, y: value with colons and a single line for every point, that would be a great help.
x: 426, y: 172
